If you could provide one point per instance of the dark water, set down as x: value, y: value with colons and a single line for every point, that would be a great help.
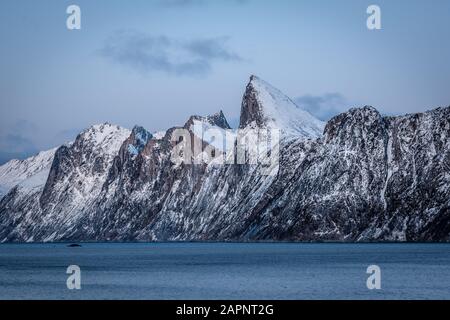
x: 225, y: 271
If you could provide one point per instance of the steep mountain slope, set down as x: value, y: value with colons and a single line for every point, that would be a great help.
x: 30, y: 172
x: 264, y: 106
x: 75, y: 178
x: 367, y: 178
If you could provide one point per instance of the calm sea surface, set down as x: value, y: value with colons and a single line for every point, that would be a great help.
x: 225, y: 271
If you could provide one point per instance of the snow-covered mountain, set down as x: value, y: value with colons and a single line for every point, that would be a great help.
x: 264, y: 106
x: 365, y: 177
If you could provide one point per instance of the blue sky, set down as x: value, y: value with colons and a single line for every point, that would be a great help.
x: 154, y: 63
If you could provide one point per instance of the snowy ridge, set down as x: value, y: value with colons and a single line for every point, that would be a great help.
x: 158, y: 135
x: 106, y: 137
x: 30, y: 172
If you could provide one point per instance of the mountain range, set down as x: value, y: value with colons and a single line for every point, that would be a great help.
x: 359, y: 177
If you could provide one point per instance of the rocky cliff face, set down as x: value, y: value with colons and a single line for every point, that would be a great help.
x: 366, y: 178
x: 75, y: 178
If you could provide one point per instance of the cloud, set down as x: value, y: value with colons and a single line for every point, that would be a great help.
x: 147, y: 53
x: 16, y: 143
x: 212, y: 49
x: 16, y: 140
x: 25, y: 126
x: 15, y: 146
x: 323, y: 107
x: 7, y: 156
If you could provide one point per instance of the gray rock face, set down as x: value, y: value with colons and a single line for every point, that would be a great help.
x: 367, y: 178
x: 251, y: 108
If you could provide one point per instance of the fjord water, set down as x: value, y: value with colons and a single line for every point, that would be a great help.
x: 225, y: 271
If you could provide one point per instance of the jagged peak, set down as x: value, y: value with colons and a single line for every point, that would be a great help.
x: 347, y: 124
x: 104, y: 136
x: 359, y: 113
x: 141, y: 134
x: 100, y: 127
x: 103, y: 128
x: 217, y: 119
x: 263, y: 105
x: 137, y: 140
x: 364, y: 109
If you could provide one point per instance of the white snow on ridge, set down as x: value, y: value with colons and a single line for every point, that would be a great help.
x: 107, y: 137
x: 282, y: 113
x: 29, y: 173
x: 158, y: 135
x: 33, y: 172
